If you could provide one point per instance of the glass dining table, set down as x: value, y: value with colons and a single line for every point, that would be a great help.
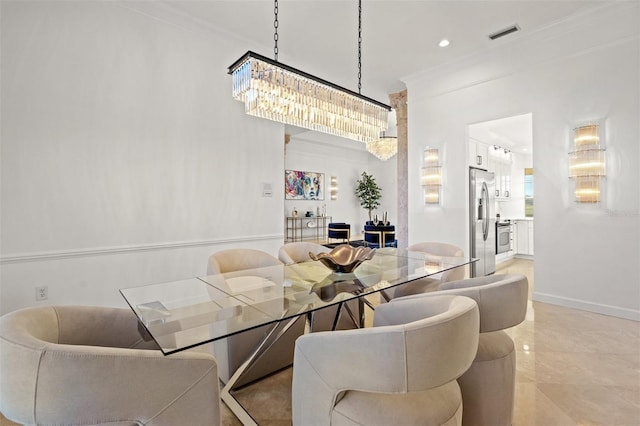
x: 184, y: 314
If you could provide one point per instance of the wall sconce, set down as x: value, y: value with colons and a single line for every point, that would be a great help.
x: 587, y: 164
x: 431, y: 179
x: 333, y: 189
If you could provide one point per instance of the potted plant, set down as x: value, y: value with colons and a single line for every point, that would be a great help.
x: 368, y: 192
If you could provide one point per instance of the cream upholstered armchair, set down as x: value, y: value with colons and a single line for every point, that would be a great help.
x: 488, y: 387
x: 433, y: 250
x: 239, y: 259
x: 436, y: 249
x: 298, y: 252
x: 232, y: 352
x: 403, y: 370
x: 89, y: 365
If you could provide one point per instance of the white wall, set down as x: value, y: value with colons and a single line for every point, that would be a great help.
x: 431, y: 125
x: 584, y: 69
x: 125, y: 160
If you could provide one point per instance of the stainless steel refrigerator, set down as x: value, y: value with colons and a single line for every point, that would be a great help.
x: 482, y: 222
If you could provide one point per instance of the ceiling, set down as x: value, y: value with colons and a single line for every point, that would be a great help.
x: 399, y: 37
x: 511, y: 133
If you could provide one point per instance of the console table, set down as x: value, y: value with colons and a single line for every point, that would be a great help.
x: 307, y: 228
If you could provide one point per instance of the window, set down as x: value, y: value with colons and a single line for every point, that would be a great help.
x: 528, y: 192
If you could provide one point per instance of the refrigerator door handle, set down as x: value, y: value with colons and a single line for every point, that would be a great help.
x: 485, y: 201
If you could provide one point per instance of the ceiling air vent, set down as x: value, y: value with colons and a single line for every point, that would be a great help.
x: 504, y: 32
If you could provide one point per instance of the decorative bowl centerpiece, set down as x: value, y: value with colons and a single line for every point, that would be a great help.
x: 344, y: 258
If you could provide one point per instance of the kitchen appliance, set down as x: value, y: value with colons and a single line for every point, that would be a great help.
x: 503, y: 236
x: 482, y: 223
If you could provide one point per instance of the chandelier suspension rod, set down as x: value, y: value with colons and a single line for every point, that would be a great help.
x: 275, y: 30
x: 360, y: 46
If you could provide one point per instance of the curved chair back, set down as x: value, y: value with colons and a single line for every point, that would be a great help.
x: 414, y: 346
x: 89, y: 365
x: 339, y: 230
x: 299, y: 252
x: 488, y: 386
x: 502, y: 299
x: 442, y: 249
x: 438, y: 249
x: 239, y: 259
x: 292, y: 253
x: 420, y: 324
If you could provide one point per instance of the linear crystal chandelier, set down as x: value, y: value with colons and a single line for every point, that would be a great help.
x: 278, y: 92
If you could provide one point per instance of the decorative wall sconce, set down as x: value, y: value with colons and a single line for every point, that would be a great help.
x: 587, y: 165
x: 431, y: 179
x: 333, y: 189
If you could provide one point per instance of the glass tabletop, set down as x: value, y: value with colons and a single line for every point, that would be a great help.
x: 183, y: 314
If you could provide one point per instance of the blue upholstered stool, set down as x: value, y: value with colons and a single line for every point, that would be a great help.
x: 377, y: 236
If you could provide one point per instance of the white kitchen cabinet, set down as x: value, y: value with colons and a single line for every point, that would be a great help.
x: 524, y: 237
x: 503, y: 180
x: 478, y: 154
x: 500, y: 164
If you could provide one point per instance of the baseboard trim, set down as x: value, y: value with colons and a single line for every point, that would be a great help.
x: 68, y: 254
x: 524, y: 256
x: 599, y: 308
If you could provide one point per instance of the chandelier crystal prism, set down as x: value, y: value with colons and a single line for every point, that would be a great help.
x: 384, y: 147
x: 278, y: 92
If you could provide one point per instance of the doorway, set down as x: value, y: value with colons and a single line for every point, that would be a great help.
x: 508, y: 145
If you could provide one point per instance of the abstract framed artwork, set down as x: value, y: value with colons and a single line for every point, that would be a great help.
x: 303, y: 185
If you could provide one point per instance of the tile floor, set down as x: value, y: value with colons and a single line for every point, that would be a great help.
x: 573, y: 368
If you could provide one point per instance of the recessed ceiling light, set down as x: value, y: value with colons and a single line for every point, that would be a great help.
x: 443, y: 43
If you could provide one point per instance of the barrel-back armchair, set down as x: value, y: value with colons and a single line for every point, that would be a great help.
x: 401, y: 371
x: 488, y: 386
x: 90, y: 365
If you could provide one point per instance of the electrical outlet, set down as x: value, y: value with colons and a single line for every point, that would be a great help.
x: 42, y: 293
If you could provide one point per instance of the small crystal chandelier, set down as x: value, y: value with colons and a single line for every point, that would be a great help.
x: 278, y: 92
x: 384, y: 147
